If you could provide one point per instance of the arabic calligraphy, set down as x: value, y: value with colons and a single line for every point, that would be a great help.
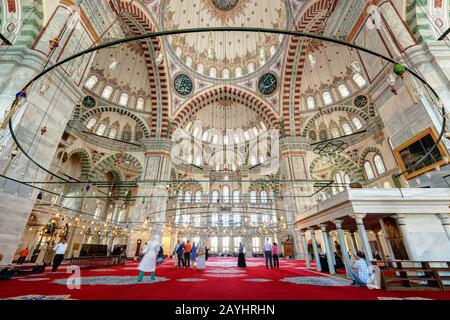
x: 268, y: 83
x: 183, y: 85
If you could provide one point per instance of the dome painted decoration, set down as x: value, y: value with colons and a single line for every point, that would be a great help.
x: 360, y: 101
x: 225, y: 4
x: 89, y: 102
x: 268, y: 83
x: 183, y: 85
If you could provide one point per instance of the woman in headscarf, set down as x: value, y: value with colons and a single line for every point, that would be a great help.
x: 194, y: 250
x: 148, y: 261
x: 201, y: 255
x: 241, y: 257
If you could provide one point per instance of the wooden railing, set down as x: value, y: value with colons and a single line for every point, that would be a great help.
x: 415, y: 275
x: 91, y: 262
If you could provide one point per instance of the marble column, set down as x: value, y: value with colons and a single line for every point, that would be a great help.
x: 328, y: 252
x: 316, y: 251
x: 386, y: 240
x: 362, y: 235
x: 343, y: 245
x: 332, y: 247
x: 401, y: 222
x: 445, y: 220
x: 351, y: 240
x: 305, y: 248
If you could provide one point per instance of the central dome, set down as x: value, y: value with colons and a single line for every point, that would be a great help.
x: 219, y: 54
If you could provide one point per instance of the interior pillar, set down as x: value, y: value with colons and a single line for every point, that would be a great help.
x: 362, y: 235
x: 326, y: 242
x: 316, y: 251
x: 305, y: 248
x: 343, y: 245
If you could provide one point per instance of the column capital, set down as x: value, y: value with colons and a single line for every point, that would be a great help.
x: 444, y: 217
x: 323, y: 227
x: 400, y: 219
x: 359, y: 217
x: 338, y: 223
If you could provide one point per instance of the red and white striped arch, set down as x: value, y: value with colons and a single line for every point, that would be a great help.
x: 206, y: 98
x: 158, y: 77
x: 310, y: 21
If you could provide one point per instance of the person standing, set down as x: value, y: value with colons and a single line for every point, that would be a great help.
x: 276, y: 262
x: 175, y: 254
x: 49, y: 255
x: 23, y: 254
x: 180, y: 254
x: 268, y: 253
x: 60, y: 251
x: 201, y: 253
x: 160, y: 257
x: 206, y: 252
x: 241, y: 257
x: 193, y: 253
x: 187, y: 254
x: 148, y: 261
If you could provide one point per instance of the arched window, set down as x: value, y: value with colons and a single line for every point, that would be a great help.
x: 359, y: 80
x: 112, y: 133
x: 338, y: 180
x: 357, y: 123
x: 347, y: 179
x: 226, y: 194
x: 188, y: 196
x: 343, y: 90
x: 139, y: 135
x: 198, y: 196
x: 312, y: 135
x: 335, y: 132
x: 140, y: 103
x: 101, y: 129
x: 310, y: 103
x: 97, y: 212
x: 205, y: 136
x: 91, y: 82
x: 126, y: 136
x: 323, y: 135
x: 253, y: 196
x: 123, y: 99
x: 107, y: 92
x: 263, y: 196
x: 215, y: 196
x: 347, y: 129
x: 379, y: 164
x: 91, y: 123
x: 368, y: 170
x: 237, y: 139
x: 327, y: 98
x: 236, y: 196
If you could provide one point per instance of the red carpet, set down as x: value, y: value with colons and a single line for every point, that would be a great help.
x: 221, y: 280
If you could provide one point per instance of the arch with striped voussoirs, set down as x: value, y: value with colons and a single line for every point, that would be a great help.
x: 236, y: 94
x: 312, y: 20
x: 137, y: 18
x: 86, y: 163
x: 122, y: 111
x: 366, y: 152
x: 309, y: 124
x: 341, y: 163
x: 113, y: 163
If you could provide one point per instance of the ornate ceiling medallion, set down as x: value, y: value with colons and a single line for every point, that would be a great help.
x: 225, y: 4
x: 183, y: 85
x: 268, y: 84
x: 226, y: 11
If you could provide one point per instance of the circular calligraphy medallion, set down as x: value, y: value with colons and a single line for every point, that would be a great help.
x: 225, y: 5
x: 183, y: 85
x: 268, y: 83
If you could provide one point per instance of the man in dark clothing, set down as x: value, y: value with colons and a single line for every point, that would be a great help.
x: 180, y: 253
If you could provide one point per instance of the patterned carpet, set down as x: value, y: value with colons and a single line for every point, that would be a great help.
x: 221, y: 280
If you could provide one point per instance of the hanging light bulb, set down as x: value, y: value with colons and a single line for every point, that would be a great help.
x: 312, y: 59
x: 356, y: 67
